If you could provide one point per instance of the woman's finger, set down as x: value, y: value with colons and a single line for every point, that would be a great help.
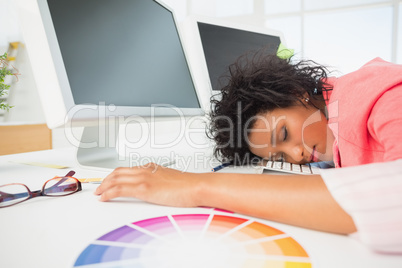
x: 119, y: 190
x: 120, y: 176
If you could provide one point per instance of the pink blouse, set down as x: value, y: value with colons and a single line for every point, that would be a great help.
x: 365, y: 115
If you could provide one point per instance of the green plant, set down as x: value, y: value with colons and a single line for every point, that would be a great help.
x: 4, y: 71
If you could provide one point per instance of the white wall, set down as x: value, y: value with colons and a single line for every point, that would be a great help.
x: 344, y: 34
x: 9, y: 29
x: 23, y: 94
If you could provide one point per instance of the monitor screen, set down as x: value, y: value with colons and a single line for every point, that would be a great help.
x: 125, y: 52
x: 224, y: 45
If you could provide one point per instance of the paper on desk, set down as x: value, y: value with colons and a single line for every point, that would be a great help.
x: 37, y: 164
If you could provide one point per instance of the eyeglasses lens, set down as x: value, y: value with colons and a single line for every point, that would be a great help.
x: 12, y: 194
x: 60, y: 186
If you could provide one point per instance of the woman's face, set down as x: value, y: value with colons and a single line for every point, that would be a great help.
x: 297, y: 134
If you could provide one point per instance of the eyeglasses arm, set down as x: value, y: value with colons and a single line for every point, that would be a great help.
x: 69, y: 174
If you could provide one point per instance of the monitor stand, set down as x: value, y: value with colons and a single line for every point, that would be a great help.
x: 98, y: 149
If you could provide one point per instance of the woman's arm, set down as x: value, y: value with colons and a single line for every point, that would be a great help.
x: 300, y: 200
x: 292, y: 199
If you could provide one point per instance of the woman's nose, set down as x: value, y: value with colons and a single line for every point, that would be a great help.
x: 297, y: 153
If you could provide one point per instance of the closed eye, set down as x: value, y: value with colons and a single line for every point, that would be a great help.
x: 284, y: 133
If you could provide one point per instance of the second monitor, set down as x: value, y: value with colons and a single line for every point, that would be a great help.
x: 214, y: 44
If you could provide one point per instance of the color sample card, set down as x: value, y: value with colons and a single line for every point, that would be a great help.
x: 195, y: 240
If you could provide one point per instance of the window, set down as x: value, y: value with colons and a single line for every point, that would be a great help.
x: 344, y: 34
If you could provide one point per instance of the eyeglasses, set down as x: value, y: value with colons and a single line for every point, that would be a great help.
x: 14, y: 193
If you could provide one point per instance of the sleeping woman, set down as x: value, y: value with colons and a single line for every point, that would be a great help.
x: 278, y: 109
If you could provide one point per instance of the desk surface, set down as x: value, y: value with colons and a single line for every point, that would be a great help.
x: 52, y: 232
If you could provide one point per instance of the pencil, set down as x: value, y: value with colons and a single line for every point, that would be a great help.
x: 215, y: 169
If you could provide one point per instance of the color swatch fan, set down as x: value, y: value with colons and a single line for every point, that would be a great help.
x: 194, y: 240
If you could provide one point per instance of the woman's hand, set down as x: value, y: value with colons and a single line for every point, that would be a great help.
x: 302, y: 201
x: 152, y: 183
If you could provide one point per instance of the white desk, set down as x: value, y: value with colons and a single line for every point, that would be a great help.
x: 52, y: 232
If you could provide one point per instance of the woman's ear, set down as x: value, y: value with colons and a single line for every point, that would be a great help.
x: 316, y: 101
x: 306, y: 99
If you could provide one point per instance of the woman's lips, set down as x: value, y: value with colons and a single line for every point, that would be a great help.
x: 314, y: 155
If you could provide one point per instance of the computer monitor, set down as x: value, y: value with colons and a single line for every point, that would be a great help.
x: 214, y: 44
x: 96, y: 61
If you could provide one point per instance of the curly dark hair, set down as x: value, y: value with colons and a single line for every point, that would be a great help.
x: 257, y: 84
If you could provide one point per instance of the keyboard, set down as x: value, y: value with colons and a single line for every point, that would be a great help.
x: 307, y: 169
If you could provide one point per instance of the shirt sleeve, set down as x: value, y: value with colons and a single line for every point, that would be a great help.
x: 372, y: 196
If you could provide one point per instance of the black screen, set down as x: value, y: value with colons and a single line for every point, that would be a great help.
x: 223, y: 46
x: 122, y: 52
